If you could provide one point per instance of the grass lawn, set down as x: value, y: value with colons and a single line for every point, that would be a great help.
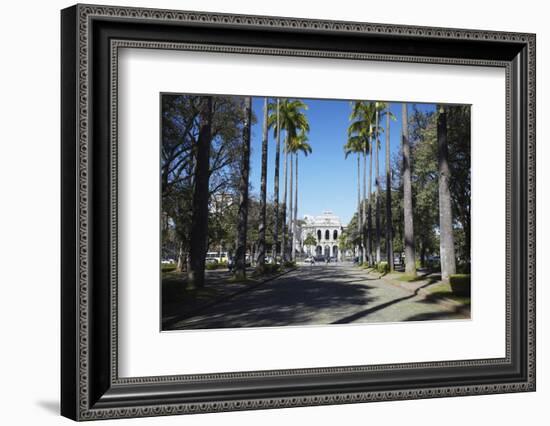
x: 444, y: 290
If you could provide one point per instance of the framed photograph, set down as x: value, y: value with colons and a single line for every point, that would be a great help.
x: 263, y: 212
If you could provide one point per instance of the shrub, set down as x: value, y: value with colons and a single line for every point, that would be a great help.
x: 289, y: 264
x: 383, y: 267
x: 211, y: 266
x: 460, y: 284
x: 271, y: 268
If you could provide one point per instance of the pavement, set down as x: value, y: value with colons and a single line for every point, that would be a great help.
x: 335, y: 293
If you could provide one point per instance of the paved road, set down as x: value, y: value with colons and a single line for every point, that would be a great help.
x: 320, y: 294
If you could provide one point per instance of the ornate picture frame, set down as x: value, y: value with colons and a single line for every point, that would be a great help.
x: 91, y: 386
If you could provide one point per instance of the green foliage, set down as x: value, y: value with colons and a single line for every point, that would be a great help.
x: 289, y: 264
x: 211, y: 266
x: 271, y: 268
x: 460, y: 284
x: 310, y: 240
x: 383, y: 267
x: 168, y: 267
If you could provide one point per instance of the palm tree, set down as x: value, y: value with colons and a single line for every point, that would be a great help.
x: 446, y: 238
x: 291, y: 119
x: 377, y: 106
x: 361, y: 127
x: 389, y: 230
x: 240, y: 255
x: 298, y: 144
x: 410, y: 261
x: 199, y: 215
x: 260, y: 260
x: 353, y: 146
x: 273, y: 121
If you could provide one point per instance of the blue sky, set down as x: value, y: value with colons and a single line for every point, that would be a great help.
x: 327, y: 180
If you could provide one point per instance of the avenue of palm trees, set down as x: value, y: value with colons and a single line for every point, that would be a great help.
x: 205, y: 179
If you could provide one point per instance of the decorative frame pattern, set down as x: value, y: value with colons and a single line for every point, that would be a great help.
x: 110, y: 396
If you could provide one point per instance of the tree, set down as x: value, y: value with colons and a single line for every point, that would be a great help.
x: 389, y: 227
x: 354, y: 145
x: 240, y: 256
x: 447, y: 250
x: 273, y: 121
x: 199, y: 215
x: 377, y: 107
x: 298, y: 144
x: 310, y: 240
x: 291, y: 119
x: 410, y: 260
x: 361, y: 127
x: 260, y: 262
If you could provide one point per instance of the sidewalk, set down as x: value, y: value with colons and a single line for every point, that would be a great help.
x: 427, y: 284
x: 179, y: 303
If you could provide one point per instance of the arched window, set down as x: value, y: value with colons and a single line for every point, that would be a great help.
x: 335, y: 235
x: 327, y: 234
x: 319, y: 235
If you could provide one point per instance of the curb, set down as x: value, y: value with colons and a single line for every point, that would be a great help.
x: 225, y: 298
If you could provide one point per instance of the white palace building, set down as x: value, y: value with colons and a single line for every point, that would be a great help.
x: 326, y: 230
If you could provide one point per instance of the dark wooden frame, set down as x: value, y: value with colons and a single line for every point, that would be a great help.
x: 90, y: 386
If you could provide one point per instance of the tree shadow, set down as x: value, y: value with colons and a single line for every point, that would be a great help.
x: 295, y: 300
x: 362, y: 314
x: 455, y: 313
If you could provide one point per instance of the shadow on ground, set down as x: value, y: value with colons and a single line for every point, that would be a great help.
x: 292, y: 301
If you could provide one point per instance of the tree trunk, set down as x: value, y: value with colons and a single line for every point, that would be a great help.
x: 181, y: 259
x: 276, y: 189
x: 377, y: 195
x: 410, y: 261
x: 260, y: 262
x: 359, y: 212
x: 369, y: 241
x: 389, y: 233
x: 294, y: 236
x: 290, y: 209
x: 199, y: 215
x: 285, y: 173
x: 364, y: 230
x: 447, y: 247
x: 240, y: 256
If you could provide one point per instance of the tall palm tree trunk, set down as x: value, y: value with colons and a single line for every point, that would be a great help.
x: 284, y: 227
x: 447, y: 248
x: 389, y: 233
x: 290, y: 209
x: 359, y: 212
x: 410, y: 261
x: 199, y: 215
x: 294, y: 236
x: 240, y: 257
x: 275, y: 249
x: 260, y: 260
x: 369, y: 242
x: 377, y: 195
x: 364, y: 229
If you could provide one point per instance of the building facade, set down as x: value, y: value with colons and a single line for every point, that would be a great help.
x: 326, y: 230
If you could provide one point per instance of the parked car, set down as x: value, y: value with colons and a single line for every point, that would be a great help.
x: 219, y: 256
x: 167, y: 261
x: 309, y: 259
x: 319, y: 258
